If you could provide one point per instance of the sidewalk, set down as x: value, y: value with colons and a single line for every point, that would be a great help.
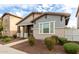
x: 6, y: 49
x: 17, y: 42
x: 9, y: 50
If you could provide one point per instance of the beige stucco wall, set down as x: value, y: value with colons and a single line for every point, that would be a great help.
x: 6, y: 25
x: 9, y: 25
x: 0, y: 19
x: 13, y: 26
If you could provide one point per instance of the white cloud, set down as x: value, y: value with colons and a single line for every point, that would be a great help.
x: 45, y: 5
x: 0, y: 15
x: 73, y: 23
x: 22, y: 10
x: 68, y: 10
x: 73, y: 3
x: 18, y: 14
x: 23, y: 6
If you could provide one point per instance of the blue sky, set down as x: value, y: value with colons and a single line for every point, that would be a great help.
x: 22, y: 9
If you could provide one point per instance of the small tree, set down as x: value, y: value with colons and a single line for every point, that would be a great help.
x: 1, y: 28
x: 31, y: 40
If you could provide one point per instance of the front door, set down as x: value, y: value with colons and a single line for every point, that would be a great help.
x: 30, y: 30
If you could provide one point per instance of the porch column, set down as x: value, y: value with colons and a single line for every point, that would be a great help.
x: 24, y: 32
x: 18, y: 31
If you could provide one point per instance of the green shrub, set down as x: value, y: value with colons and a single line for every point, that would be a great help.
x: 14, y: 36
x: 7, y: 39
x: 31, y: 40
x: 71, y: 48
x: 49, y: 43
x: 62, y: 40
x: 54, y: 38
x: 0, y: 36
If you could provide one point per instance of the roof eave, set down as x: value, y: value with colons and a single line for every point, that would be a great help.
x: 68, y: 15
x: 24, y: 18
x: 63, y: 14
x: 11, y: 15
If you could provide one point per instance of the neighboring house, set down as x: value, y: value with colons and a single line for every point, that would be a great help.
x: 43, y: 24
x: 0, y: 19
x: 9, y: 24
x: 77, y: 15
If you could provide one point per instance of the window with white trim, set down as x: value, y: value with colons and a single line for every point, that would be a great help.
x: 47, y: 27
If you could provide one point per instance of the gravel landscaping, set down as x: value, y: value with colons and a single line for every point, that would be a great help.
x: 39, y: 48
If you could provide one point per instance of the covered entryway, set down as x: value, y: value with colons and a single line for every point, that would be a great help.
x: 30, y: 30
x: 24, y: 31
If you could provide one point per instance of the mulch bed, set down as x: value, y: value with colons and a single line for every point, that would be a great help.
x: 38, y: 48
x: 13, y: 40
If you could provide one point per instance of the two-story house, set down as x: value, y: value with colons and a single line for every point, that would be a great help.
x: 9, y: 24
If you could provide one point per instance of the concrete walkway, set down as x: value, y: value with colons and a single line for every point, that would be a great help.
x: 17, y: 42
x: 6, y: 49
x: 9, y: 50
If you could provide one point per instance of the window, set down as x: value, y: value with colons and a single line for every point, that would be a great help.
x: 47, y: 27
